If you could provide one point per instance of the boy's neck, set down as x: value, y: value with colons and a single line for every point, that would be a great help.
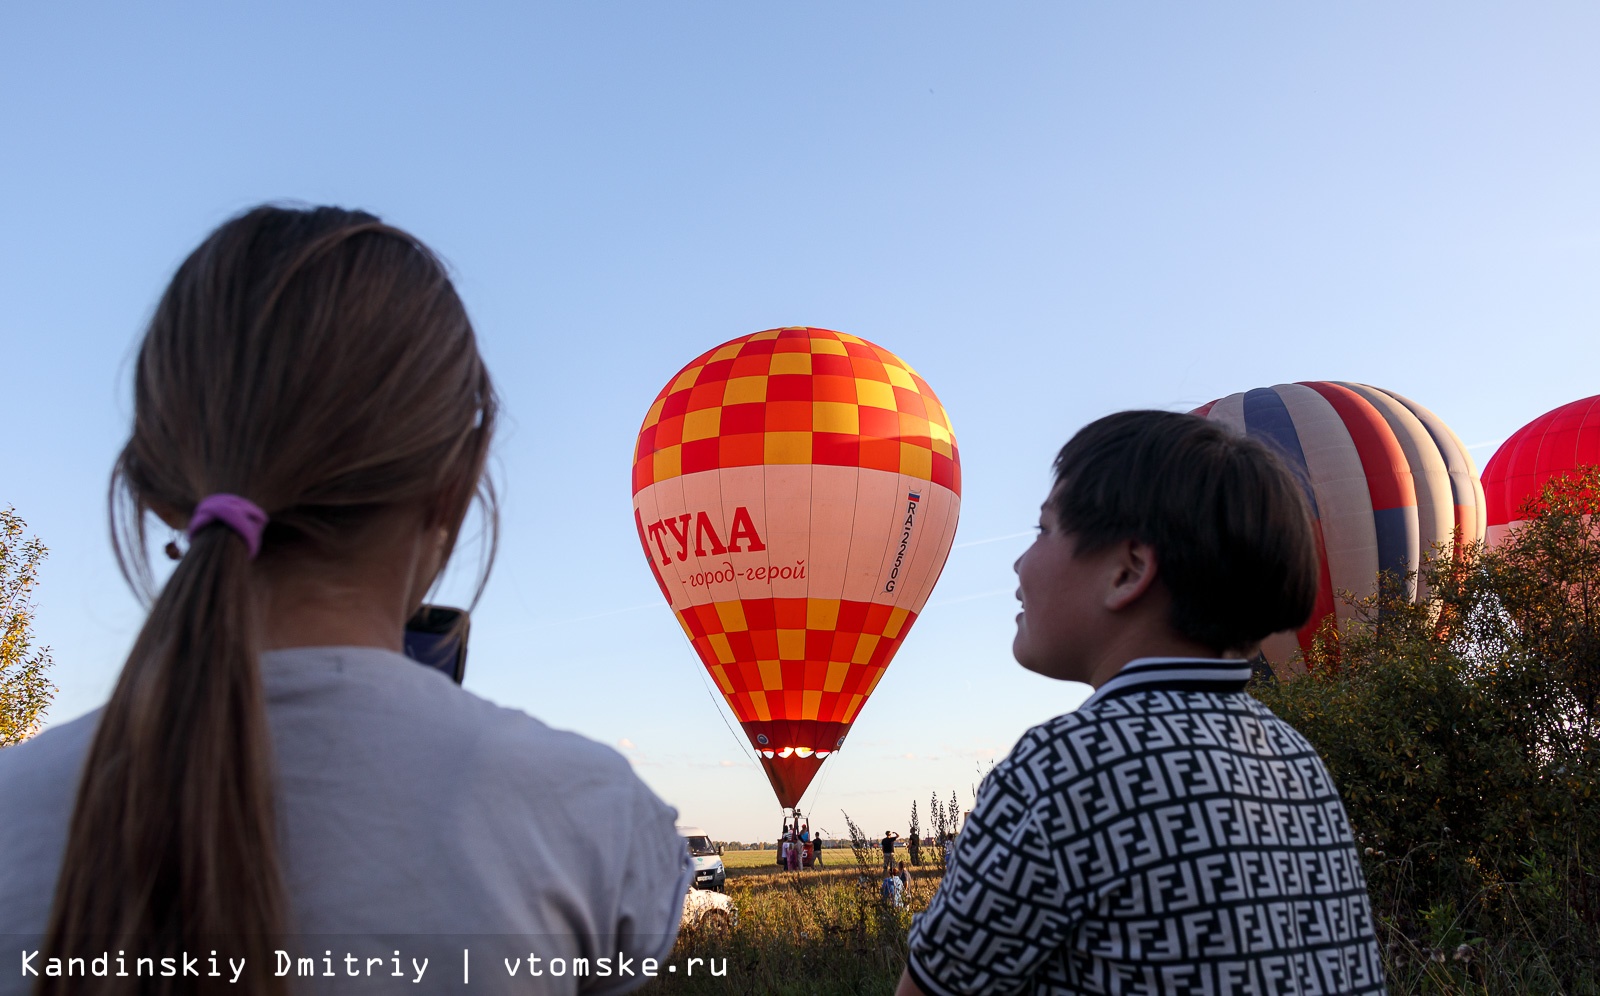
x: 1136, y: 643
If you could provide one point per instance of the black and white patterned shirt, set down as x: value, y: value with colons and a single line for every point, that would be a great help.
x: 1170, y: 836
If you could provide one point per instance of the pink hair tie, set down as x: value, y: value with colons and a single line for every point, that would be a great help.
x: 241, y: 515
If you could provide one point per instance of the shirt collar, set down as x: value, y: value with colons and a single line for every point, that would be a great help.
x: 1177, y: 674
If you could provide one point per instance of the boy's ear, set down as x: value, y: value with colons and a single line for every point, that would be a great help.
x: 1133, y: 570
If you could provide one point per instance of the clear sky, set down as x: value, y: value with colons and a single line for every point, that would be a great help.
x: 1052, y: 211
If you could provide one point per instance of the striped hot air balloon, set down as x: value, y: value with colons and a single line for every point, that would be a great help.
x: 1552, y: 445
x: 796, y: 494
x: 1386, y: 479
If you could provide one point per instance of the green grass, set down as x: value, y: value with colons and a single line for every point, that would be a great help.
x: 814, y: 933
x: 746, y: 862
x: 743, y: 861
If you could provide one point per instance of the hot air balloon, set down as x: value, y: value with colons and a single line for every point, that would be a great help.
x: 1386, y: 479
x: 1552, y: 445
x: 796, y: 493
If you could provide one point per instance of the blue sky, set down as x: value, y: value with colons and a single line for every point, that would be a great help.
x: 1052, y: 211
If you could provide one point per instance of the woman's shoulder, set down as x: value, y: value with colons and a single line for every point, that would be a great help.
x: 38, y: 786
x: 47, y: 764
x: 513, y: 742
x: 365, y: 702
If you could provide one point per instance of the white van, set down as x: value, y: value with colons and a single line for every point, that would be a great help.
x: 709, y: 872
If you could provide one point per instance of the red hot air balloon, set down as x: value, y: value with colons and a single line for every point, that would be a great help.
x: 1553, y: 445
x: 1386, y: 480
x: 796, y: 494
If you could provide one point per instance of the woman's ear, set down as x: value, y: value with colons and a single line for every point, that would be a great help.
x: 432, y: 550
x: 169, y: 516
x: 449, y: 507
x: 437, y: 513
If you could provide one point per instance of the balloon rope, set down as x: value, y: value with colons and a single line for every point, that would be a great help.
x: 814, y: 791
x: 744, y: 745
x: 718, y: 704
x: 719, y: 701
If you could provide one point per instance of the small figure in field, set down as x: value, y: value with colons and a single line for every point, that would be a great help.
x: 903, y: 875
x: 949, y: 852
x: 805, y: 845
x: 893, y: 891
x: 889, y: 837
x: 1172, y: 834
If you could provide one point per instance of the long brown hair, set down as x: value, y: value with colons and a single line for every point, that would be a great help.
x: 319, y: 363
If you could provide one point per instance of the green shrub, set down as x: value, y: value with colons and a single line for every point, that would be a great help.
x: 1465, y: 737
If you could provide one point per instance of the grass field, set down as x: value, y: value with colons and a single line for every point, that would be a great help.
x: 743, y: 861
x: 823, y: 932
x: 740, y: 862
x: 746, y: 862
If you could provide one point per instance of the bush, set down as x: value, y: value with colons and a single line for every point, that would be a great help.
x: 1465, y: 737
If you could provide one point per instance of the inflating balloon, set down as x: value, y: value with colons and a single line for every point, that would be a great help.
x: 1555, y: 444
x: 796, y: 494
x: 1387, y: 482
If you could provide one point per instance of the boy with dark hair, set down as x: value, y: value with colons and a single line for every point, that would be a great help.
x: 1172, y: 835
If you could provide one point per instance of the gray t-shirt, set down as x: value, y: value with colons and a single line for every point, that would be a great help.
x: 417, y: 821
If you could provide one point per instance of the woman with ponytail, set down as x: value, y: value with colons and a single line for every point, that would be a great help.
x: 272, y: 785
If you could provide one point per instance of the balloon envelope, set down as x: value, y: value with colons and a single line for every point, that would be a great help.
x: 1386, y: 480
x: 796, y: 493
x: 1553, y: 445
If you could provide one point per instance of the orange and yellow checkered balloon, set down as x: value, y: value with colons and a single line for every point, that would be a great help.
x: 796, y: 493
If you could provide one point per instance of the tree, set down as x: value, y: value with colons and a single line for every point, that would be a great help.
x: 1464, y: 737
x: 1546, y: 575
x: 25, y: 691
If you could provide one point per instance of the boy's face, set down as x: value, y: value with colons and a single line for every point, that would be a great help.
x: 1063, y: 614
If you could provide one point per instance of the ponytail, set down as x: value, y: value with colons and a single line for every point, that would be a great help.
x: 173, y: 846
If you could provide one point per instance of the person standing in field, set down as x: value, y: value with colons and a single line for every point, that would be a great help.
x: 311, y: 409
x: 1172, y: 834
x: 889, y: 837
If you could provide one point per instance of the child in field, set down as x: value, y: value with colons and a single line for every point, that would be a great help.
x: 1172, y: 834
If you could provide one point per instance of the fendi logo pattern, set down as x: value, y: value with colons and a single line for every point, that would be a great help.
x: 1172, y: 836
